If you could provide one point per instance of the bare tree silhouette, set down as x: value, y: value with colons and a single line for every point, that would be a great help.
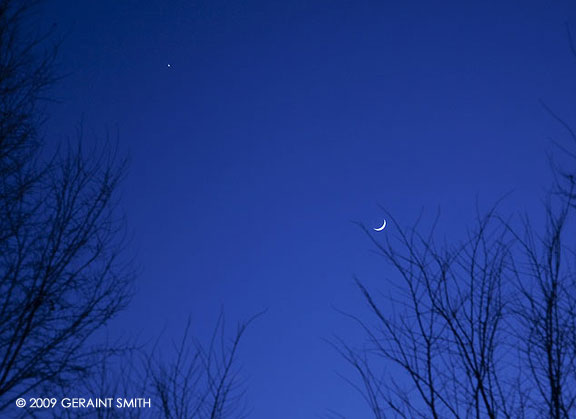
x: 62, y: 274
x: 200, y: 381
x: 485, y: 327
x: 191, y: 380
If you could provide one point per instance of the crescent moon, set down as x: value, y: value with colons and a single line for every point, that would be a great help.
x: 381, y: 228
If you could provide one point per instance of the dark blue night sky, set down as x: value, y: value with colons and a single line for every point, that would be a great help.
x: 258, y: 131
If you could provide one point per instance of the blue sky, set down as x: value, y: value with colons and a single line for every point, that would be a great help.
x: 276, y: 125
